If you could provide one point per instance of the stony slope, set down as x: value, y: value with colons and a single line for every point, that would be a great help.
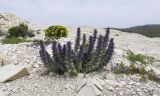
x: 39, y: 84
x: 8, y: 20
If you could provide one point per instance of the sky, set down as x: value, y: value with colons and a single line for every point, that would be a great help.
x: 95, y: 13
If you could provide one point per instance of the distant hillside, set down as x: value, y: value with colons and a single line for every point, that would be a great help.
x: 147, y: 30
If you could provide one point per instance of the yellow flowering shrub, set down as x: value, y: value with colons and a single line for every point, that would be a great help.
x: 56, y: 31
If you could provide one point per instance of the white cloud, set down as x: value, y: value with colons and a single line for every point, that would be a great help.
x: 99, y: 13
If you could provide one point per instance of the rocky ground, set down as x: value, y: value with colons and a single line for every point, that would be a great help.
x: 39, y: 84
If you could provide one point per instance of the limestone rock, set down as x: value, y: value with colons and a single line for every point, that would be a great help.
x: 98, y: 85
x: 82, y: 83
x: 12, y: 72
x: 5, y: 59
x: 97, y: 91
x: 8, y: 20
x: 86, y: 91
x: 2, y: 93
x: 90, y: 89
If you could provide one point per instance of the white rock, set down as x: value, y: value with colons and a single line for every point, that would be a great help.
x: 81, y: 84
x: 86, y: 91
x: 129, y: 86
x: 113, y: 83
x: 12, y: 72
x: 2, y: 93
x: 137, y: 84
x: 123, y: 83
x: 110, y: 88
x: 5, y: 59
x: 121, y: 93
x: 98, y: 85
x: 155, y: 95
x: 110, y: 76
x: 96, y: 91
x: 119, y: 52
x: 131, y: 83
x: 35, y: 66
x: 80, y: 75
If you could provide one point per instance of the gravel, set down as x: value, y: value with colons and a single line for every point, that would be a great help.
x: 39, y: 84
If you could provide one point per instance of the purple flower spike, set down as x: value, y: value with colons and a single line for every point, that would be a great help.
x: 78, y: 38
x: 94, y: 36
x: 113, y: 69
x: 117, y: 65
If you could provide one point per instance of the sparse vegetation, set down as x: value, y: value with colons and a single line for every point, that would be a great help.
x: 81, y: 58
x: 139, y: 57
x: 37, y: 42
x: 116, y: 34
x: 134, y: 68
x: 121, y: 68
x: 19, y: 31
x: 18, y: 34
x: 55, y: 32
x: 14, y: 40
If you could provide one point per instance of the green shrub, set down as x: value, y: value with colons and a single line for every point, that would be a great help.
x: 138, y: 57
x: 14, y: 40
x: 152, y: 76
x: 56, y: 32
x: 37, y: 42
x: 20, y: 31
x: 116, y: 35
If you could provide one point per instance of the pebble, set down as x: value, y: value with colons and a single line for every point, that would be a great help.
x: 110, y: 88
x: 131, y: 83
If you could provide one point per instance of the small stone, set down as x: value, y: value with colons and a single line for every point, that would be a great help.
x: 113, y: 83
x: 35, y: 66
x: 98, y: 85
x: 155, y: 95
x: 138, y: 89
x: 129, y: 86
x: 67, y: 86
x: 86, y: 91
x: 110, y: 76
x: 110, y: 88
x: 102, y: 82
x: 96, y: 91
x: 36, y: 84
x: 137, y: 84
x: 123, y: 83
x: 131, y: 83
x: 80, y: 75
x: 121, y: 93
x: 2, y: 93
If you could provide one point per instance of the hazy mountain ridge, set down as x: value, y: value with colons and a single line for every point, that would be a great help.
x: 151, y: 30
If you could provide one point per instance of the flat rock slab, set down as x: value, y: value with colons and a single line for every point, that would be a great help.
x: 86, y: 91
x: 12, y: 72
x: 2, y: 93
x: 90, y: 89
